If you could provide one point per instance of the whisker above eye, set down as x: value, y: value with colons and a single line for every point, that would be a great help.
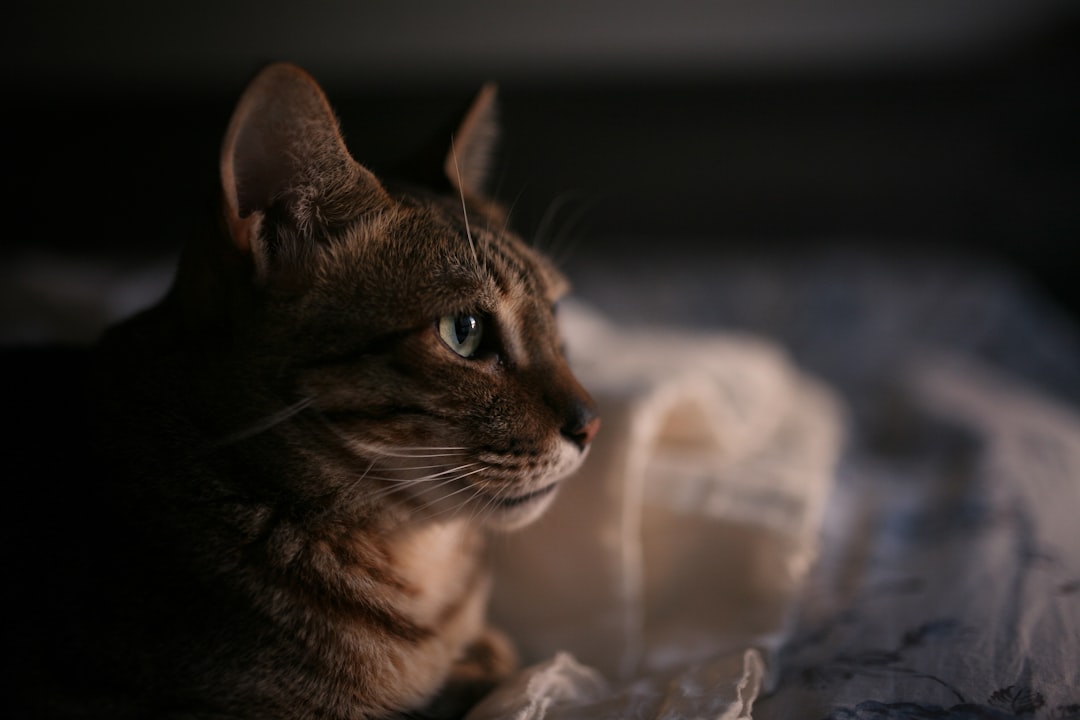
x: 464, y: 211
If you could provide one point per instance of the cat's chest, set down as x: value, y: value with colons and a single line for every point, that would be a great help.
x: 443, y: 572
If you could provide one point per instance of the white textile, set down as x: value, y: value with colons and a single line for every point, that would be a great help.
x: 665, y: 575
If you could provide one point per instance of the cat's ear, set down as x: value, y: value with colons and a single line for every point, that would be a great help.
x: 472, y: 147
x: 286, y: 174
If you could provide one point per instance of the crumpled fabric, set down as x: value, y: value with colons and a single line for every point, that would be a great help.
x: 664, y: 578
x: 723, y: 688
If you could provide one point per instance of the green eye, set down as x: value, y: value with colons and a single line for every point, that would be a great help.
x: 462, y: 333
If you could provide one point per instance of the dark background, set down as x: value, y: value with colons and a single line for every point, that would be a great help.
x: 681, y: 129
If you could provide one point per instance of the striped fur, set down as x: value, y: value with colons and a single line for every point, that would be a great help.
x: 304, y: 471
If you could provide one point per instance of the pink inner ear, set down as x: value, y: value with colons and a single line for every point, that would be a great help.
x: 261, y: 170
x: 283, y: 143
x: 281, y: 122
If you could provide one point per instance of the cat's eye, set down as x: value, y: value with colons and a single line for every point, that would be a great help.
x: 462, y: 333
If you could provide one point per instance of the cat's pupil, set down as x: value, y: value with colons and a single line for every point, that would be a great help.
x: 464, y: 326
x: 462, y: 333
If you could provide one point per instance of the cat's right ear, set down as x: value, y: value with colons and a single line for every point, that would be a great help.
x: 468, y: 162
x: 284, y: 161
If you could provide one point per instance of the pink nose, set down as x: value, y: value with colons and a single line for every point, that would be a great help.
x: 585, y: 432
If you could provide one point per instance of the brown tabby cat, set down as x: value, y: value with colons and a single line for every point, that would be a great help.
x: 306, y: 441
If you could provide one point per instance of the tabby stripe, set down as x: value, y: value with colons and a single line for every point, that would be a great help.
x: 374, y: 415
x: 374, y: 568
x: 379, y: 345
x: 390, y: 621
x: 375, y: 612
x: 516, y: 263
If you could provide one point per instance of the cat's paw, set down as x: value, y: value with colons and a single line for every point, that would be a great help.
x: 490, y: 659
x: 491, y: 655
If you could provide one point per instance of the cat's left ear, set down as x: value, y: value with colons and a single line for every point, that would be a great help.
x: 472, y: 146
x: 286, y: 174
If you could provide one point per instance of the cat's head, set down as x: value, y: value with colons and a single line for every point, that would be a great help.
x: 406, y: 336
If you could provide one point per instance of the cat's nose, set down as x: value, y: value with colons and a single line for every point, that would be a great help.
x: 582, y: 424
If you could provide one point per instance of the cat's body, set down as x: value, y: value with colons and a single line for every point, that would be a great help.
x: 281, y: 508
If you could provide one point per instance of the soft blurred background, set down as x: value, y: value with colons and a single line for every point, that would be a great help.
x: 899, y: 143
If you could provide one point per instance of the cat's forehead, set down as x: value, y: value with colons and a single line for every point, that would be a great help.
x: 423, y: 258
x: 517, y: 268
x: 473, y: 239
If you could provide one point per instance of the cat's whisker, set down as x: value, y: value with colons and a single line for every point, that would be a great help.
x: 563, y: 243
x: 461, y: 504
x: 540, y: 234
x: 464, y: 488
x: 464, y: 212
x: 480, y: 511
x: 412, y: 448
x: 426, y: 507
x: 366, y: 450
x: 444, y: 478
x: 264, y: 424
x: 490, y: 501
x: 509, y: 214
x: 559, y: 244
x: 420, y: 454
x: 462, y: 477
x: 425, y: 478
x: 396, y: 488
x: 497, y: 497
x: 396, y: 484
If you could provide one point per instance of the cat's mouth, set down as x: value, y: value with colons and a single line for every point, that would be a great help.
x: 515, y: 511
x: 519, y: 500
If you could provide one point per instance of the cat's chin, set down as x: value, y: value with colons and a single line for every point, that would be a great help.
x: 517, y: 511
